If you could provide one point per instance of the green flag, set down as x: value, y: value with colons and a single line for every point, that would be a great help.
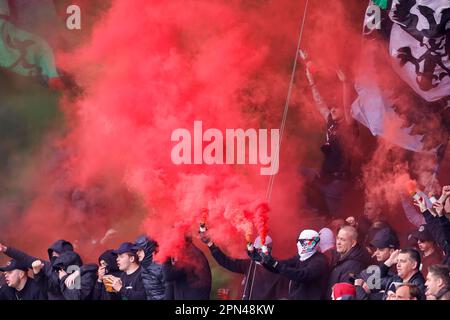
x: 381, y: 3
x: 22, y: 52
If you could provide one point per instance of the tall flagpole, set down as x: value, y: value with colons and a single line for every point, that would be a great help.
x: 249, y: 281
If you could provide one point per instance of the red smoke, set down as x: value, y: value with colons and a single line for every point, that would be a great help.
x: 169, y: 65
x: 260, y: 219
x: 154, y: 66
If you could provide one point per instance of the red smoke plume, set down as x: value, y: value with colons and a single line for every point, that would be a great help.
x: 153, y: 66
x: 260, y: 219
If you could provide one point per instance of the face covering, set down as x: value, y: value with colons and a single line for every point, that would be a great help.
x: 53, y: 259
x: 307, y: 244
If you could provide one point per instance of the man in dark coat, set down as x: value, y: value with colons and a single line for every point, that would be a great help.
x: 438, y: 283
x: 307, y: 270
x: 260, y: 284
x: 77, y: 281
x: 349, y: 258
x: 189, y: 277
x: 408, y: 262
x: 53, y: 290
x: 369, y: 284
x: 107, y: 266
x: 152, y: 272
x: 18, y: 285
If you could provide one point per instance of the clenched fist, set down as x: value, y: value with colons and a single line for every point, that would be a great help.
x: 37, y: 266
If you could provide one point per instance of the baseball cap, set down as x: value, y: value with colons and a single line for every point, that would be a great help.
x: 385, y: 238
x: 126, y: 247
x: 423, y: 234
x: 14, y: 265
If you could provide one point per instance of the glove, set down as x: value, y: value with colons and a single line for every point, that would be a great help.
x: 268, y: 260
x: 254, y: 256
x: 204, y: 238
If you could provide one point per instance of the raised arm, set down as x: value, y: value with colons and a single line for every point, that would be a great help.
x: 347, y: 91
x: 321, y: 106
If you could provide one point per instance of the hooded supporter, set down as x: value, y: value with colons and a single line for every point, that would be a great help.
x: 108, y: 266
x: 188, y: 277
x: 152, y: 272
x: 77, y: 281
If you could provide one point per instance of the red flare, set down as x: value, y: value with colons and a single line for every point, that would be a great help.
x: 260, y: 220
x: 411, y: 187
x: 204, y: 213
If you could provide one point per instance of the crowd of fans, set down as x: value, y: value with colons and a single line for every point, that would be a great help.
x: 343, y: 262
x: 359, y: 257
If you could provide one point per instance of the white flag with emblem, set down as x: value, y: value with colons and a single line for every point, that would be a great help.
x: 420, y: 45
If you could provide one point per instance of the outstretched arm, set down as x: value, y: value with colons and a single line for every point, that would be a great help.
x: 347, y: 91
x: 320, y: 103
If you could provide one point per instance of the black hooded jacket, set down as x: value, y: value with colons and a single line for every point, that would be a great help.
x: 152, y: 274
x: 52, y: 283
x: 265, y: 285
x: 84, y: 285
x: 189, y: 278
x: 348, y: 266
x: 100, y: 292
x: 308, y: 279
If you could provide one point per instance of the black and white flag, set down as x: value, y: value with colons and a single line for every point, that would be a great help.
x: 420, y: 45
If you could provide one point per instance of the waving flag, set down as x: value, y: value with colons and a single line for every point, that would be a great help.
x: 414, y: 36
x: 420, y: 45
x: 23, y: 52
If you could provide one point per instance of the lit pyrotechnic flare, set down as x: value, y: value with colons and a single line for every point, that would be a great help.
x: 248, y: 230
x: 204, y: 212
x: 411, y: 189
x: 260, y: 220
x: 416, y: 194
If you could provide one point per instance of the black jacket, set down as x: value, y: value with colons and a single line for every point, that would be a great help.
x: 52, y: 285
x: 190, y: 277
x: 375, y: 293
x: 416, y: 279
x: 308, y: 279
x: 100, y: 292
x: 88, y: 281
x: 152, y: 276
x: 84, y: 287
x: 343, y: 268
x: 266, y: 285
x: 31, y: 291
x: 440, y: 229
x: 132, y: 286
x: 443, y: 294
